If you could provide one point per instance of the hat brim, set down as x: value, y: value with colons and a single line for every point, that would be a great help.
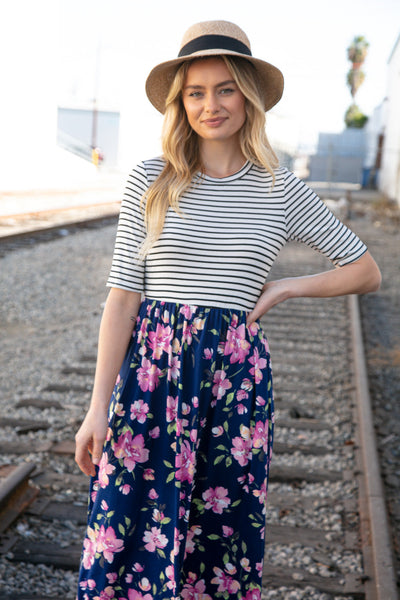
x: 161, y: 77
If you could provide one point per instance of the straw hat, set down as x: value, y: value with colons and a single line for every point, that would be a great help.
x: 213, y: 38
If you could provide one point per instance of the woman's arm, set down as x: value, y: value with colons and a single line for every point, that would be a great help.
x: 359, y: 277
x: 116, y: 329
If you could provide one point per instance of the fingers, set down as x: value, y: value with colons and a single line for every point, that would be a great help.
x: 84, y: 461
x: 88, y: 454
x: 251, y: 317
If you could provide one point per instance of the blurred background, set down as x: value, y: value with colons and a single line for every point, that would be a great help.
x: 74, y: 114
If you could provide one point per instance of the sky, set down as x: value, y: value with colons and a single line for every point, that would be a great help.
x: 108, y: 48
x: 68, y: 52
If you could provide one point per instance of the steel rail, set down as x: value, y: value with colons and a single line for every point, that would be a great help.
x: 374, y: 521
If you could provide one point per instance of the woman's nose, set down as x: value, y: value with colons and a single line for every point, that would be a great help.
x: 212, y: 103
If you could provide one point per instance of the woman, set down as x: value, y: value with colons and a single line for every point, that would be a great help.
x: 180, y: 471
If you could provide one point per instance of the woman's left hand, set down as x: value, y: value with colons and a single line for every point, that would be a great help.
x: 359, y: 277
x: 272, y: 293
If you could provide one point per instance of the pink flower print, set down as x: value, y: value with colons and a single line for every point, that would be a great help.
x: 153, y: 494
x: 221, y: 384
x: 216, y: 498
x: 157, y: 516
x: 112, y: 577
x: 198, y: 324
x: 195, y: 401
x: 106, y: 594
x: 142, y: 330
x: 154, y: 433
x: 135, y: 595
x: 165, y: 317
x: 217, y: 431
x: 234, y: 320
x: 131, y: 450
x: 245, y: 564
x: 89, y: 548
x: 247, y: 385
x: 187, y: 311
x: 172, y: 408
x: 259, y: 364
x: 187, y: 333
x: 241, y: 450
x: 178, y: 537
x: 241, y: 395
x: 225, y: 582
x: 154, y: 539
x: 259, y: 567
x: 185, y: 463
x: 119, y: 409
x: 253, y: 328
x: 208, y: 353
x: 125, y: 489
x: 227, y: 531
x: 108, y: 543
x: 129, y: 578
x: 241, y: 408
x: 148, y: 375
x: 236, y: 345
x: 260, y: 439
x: 195, y: 590
x: 148, y: 474
x: 190, y: 535
x: 104, y: 505
x: 105, y: 469
x: 180, y: 426
x: 261, y: 494
x: 264, y: 341
x: 170, y: 573
x: 253, y: 594
x: 139, y: 410
x: 174, y: 365
x: 160, y: 340
x: 138, y: 568
x: 260, y: 401
x: 144, y: 584
x: 176, y: 346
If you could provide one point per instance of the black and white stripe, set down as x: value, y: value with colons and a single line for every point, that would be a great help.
x: 219, y: 252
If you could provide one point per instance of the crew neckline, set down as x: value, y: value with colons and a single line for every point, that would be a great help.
x: 242, y: 171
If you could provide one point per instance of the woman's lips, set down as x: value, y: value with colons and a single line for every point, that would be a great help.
x: 215, y: 122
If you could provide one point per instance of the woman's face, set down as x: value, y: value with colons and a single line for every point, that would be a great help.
x: 214, y: 105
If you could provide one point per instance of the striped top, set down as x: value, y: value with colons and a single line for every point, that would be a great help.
x: 219, y: 252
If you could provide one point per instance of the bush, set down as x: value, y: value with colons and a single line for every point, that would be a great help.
x: 354, y: 117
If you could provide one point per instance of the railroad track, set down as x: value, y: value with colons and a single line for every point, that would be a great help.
x: 327, y: 533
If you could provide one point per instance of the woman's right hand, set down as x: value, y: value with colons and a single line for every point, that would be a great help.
x: 90, y: 439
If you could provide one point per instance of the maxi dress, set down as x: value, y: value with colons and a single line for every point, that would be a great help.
x: 177, y: 507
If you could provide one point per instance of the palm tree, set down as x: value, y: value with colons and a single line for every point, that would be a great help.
x: 356, y: 53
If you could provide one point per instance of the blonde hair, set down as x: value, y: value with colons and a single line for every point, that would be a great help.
x: 181, y: 148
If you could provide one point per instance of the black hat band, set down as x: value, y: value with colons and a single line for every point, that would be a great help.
x: 209, y: 42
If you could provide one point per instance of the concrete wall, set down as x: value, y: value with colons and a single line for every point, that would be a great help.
x: 389, y: 181
x: 339, y: 157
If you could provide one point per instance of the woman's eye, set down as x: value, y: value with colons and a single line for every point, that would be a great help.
x: 195, y: 94
x: 227, y: 91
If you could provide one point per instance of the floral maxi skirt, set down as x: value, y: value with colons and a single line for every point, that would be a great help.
x: 177, y: 509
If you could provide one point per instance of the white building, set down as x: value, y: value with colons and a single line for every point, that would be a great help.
x: 389, y: 180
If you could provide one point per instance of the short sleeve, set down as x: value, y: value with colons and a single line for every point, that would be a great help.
x: 127, y: 270
x: 310, y: 221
